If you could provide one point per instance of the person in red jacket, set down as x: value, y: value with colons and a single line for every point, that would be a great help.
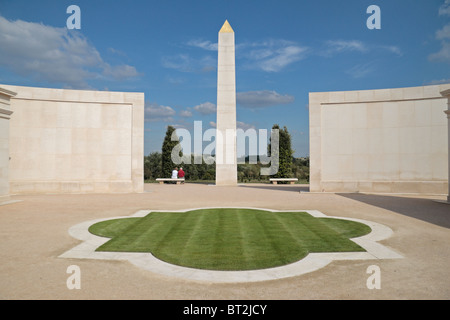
x: 181, y: 174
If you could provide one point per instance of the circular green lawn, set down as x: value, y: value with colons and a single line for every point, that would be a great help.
x: 229, y: 239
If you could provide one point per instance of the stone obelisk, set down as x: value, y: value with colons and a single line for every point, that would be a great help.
x: 226, y: 159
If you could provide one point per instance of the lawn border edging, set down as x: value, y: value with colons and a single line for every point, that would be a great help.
x: 312, y: 262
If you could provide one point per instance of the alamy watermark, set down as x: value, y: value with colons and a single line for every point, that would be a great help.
x: 74, y: 20
x: 374, y: 280
x: 224, y: 144
x: 374, y: 21
x: 74, y: 280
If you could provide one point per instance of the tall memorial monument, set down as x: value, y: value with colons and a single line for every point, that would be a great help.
x: 226, y: 158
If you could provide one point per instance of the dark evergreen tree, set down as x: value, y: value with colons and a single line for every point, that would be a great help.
x: 285, y: 153
x: 171, y: 141
x: 152, y: 166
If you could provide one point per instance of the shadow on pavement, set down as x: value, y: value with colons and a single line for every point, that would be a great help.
x: 278, y: 187
x: 427, y: 210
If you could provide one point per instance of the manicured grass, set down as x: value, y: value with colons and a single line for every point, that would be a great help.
x: 229, y: 239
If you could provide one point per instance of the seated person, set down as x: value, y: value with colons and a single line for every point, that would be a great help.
x: 175, y: 173
x: 181, y: 173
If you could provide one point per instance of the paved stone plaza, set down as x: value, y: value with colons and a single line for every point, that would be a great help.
x: 34, y: 233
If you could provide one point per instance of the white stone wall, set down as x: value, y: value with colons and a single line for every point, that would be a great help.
x: 76, y: 141
x: 386, y: 141
x: 5, y: 115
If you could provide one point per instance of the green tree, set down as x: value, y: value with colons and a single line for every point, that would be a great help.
x: 300, y: 169
x: 152, y: 166
x: 191, y: 170
x: 171, y: 141
x: 285, y: 153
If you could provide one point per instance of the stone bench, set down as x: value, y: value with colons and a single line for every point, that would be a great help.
x: 177, y: 180
x: 275, y: 180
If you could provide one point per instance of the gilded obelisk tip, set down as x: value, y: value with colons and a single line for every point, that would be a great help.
x: 226, y: 27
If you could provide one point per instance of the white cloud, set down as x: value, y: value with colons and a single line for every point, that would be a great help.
x: 444, y: 9
x: 442, y: 55
x: 213, y: 124
x: 275, y: 55
x: 271, y: 55
x: 282, y: 58
x: 339, y: 46
x: 185, y: 63
x: 155, y: 112
x: 441, y: 81
x: 393, y: 49
x: 203, y: 44
x: 244, y: 126
x: 180, y: 62
x: 443, y: 33
x: 56, y: 55
x: 206, y: 108
x: 260, y: 99
x: 116, y: 52
x: 361, y: 70
x: 333, y: 47
x: 186, y: 113
x: 121, y: 72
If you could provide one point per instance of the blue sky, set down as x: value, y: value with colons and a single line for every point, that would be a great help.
x: 168, y: 50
